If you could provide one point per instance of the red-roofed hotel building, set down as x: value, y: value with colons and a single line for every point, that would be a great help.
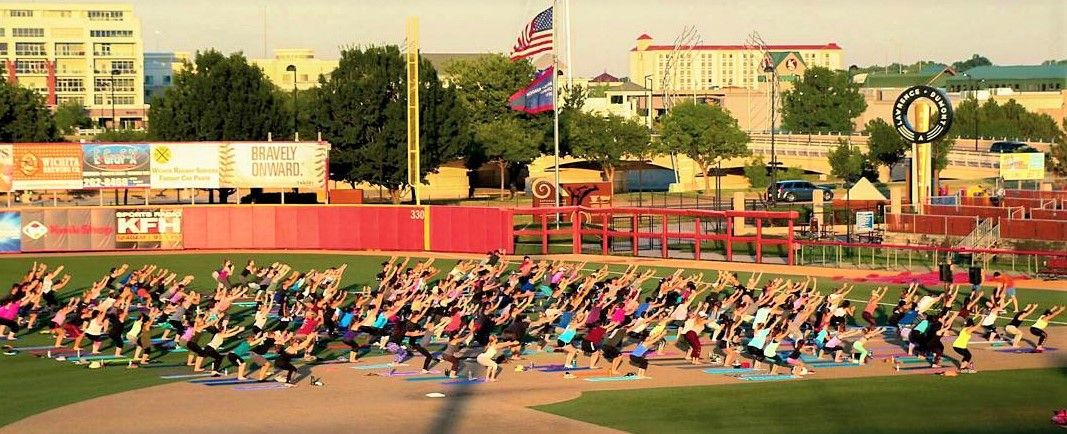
x: 707, y: 67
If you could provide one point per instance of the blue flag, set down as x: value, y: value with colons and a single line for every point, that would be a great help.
x: 535, y: 98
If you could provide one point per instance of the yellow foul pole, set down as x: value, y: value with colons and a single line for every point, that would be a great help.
x: 922, y: 167
x: 412, y: 60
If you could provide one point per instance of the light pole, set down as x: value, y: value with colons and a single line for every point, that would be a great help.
x: 769, y: 68
x: 296, y: 134
x: 718, y: 183
x: 640, y: 172
x: 114, y: 121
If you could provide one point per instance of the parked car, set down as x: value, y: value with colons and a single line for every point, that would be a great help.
x: 1009, y: 147
x: 798, y: 190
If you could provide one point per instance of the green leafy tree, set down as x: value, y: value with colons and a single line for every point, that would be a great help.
x: 824, y: 101
x: 703, y: 132
x: 482, y: 86
x: 975, y: 60
x: 362, y: 112
x: 24, y: 117
x: 121, y: 136
x: 70, y: 116
x: 1057, y: 155
x: 507, y: 142
x: 605, y: 140
x: 886, y: 146
x: 848, y: 162
x: 1010, y: 120
x: 219, y: 98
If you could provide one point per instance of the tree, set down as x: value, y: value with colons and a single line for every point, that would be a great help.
x: 506, y: 142
x: 1010, y: 120
x: 221, y: 98
x: 824, y: 101
x: 885, y: 144
x: 483, y: 85
x: 975, y: 60
x: 703, y: 132
x: 605, y: 140
x: 362, y: 112
x: 121, y: 136
x: 848, y: 162
x: 24, y: 117
x: 1057, y: 155
x: 70, y: 116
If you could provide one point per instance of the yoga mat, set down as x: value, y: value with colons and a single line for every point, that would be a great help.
x: 378, y: 366
x: 464, y: 382
x: 175, y: 377
x: 767, y: 377
x: 265, y: 386
x: 834, y: 365
x: 557, y: 365
x: 580, y: 368
x: 630, y: 378
x: 1023, y: 350
x: 96, y: 357
x: 433, y: 378
x: 212, y: 379
x: 229, y: 383
x: 727, y: 370
x: 407, y: 373
x: 42, y: 347
x: 693, y: 367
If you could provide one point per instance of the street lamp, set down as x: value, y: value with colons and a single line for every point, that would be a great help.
x: 718, y: 183
x: 648, y: 109
x: 292, y: 68
x: 974, y: 94
x: 114, y: 121
x: 768, y: 67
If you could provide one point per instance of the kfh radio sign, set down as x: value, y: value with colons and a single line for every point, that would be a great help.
x: 161, y: 226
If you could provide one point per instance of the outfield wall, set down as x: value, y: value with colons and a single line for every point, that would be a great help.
x: 258, y: 227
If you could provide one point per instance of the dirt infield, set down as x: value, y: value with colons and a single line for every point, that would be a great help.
x: 357, y: 400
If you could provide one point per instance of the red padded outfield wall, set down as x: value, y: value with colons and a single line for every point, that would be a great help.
x: 305, y: 227
x: 470, y: 229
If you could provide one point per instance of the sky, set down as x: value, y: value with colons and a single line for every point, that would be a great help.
x: 869, y: 31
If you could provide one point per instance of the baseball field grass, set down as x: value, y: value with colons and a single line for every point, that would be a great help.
x: 1015, y: 401
x: 33, y: 385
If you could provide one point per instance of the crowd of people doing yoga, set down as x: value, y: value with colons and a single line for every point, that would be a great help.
x: 260, y: 319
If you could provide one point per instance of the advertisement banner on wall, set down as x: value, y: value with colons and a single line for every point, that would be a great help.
x: 10, y: 238
x: 1017, y: 167
x: 116, y: 165
x: 47, y: 167
x: 274, y: 165
x: 7, y: 166
x: 189, y: 165
x: 68, y: 230
x: 148, y: 228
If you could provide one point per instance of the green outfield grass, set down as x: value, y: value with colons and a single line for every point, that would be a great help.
x: 32, y: 385
x: 1018, y: 401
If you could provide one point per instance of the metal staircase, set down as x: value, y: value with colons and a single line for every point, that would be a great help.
x: 985, y: 235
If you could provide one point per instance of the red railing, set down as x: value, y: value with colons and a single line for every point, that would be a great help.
x: 931, y: 224
x: 973, y: 211
x: 1036, y: 194
x: 581, y: 221
x: 1048, y: 214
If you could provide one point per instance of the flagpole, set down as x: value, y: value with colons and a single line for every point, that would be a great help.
x: 555, y: 101
x: 570, y: 59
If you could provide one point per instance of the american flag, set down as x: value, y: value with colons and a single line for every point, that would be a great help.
x: 535, y: 38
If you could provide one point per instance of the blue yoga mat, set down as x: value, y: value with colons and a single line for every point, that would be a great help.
x: 378, y: 366
x: 630, y: 378
x: 767, y: 377
x: 100, y: 357
x: 833, y: 365
x: 580, y: 368
x: 212, y: 380
x: 727, y: 370
x: 177, y: 376
x: 464, y: 382
x: 432, y: 378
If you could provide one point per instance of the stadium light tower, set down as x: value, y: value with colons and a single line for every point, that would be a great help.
x: 296, y: 111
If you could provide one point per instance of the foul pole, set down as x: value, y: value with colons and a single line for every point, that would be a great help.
x: 412, y: 60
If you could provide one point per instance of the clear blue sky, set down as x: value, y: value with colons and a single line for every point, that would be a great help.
x: 1008, y: 32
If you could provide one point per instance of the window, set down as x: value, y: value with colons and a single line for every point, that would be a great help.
x: 148, y: 80
x: 100, y: 99
x: 70, y: 49
x: 3, y: 48
x: 70, y: 85
x: 105, y: 15
x: 27, y: 32
x: 102, y: 84
x: 166, y: 79
x: 111, y: 33
x: 616, y: 99
x: 20, y: 13
x: 1, y: 31
x: 123, y: 66
x: 29, y: 49
x: 30, y: 67
x: 70, y: 99
x: 102, y: 49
